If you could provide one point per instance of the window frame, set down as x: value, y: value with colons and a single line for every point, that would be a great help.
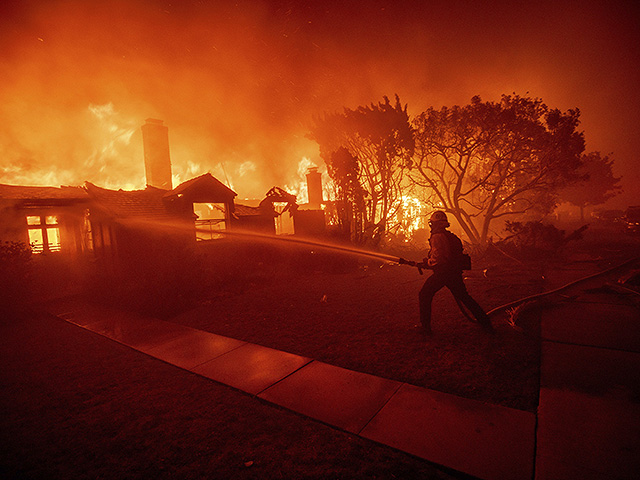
x: 44, y: 226
x: 209, y: 227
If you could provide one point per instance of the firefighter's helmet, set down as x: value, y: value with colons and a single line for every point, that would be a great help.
x: 439, y: 218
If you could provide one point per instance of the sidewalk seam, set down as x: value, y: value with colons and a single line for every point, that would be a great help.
x: 381, y: 407
x: 311, y: 360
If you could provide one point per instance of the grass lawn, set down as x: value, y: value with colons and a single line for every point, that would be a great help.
x: 366, y: 321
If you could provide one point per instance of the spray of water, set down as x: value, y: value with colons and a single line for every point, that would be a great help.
x: 312, y: 243
x: 249, y: 235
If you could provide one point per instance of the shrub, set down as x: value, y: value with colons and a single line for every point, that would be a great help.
x: 15, y: 274
x: 537, y: 238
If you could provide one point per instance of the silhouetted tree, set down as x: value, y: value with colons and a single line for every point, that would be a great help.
x: 380, y: 138
x: 596, y: 185
x: 344, y: 169
x: 486, y: 160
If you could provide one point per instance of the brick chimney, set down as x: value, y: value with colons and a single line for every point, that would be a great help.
x: 157, y: 164
x: 314, y: 188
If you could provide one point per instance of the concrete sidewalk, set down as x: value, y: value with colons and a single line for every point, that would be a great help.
x: 486, y: 441
x: 589, y: 407
x: 588, y: 422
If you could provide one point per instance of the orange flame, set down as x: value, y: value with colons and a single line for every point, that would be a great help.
x: 298, y: 185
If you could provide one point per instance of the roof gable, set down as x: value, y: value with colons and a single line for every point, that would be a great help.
x: 203, y: 189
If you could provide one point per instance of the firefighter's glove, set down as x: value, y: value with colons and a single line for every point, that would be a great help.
x: 404, y: 261
x: 422, y: 266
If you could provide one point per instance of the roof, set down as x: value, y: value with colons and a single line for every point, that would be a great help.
x: 203, y: 189
x: 133, y: 203
x: 21, y: 192
x: 150, y: 202
x: 246, y: 211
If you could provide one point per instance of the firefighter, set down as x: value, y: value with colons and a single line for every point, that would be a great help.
x: 444, y: 259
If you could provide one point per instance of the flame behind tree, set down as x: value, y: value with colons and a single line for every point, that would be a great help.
x: 379, y: 137
x: 488, y: 160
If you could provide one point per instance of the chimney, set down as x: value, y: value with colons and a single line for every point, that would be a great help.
x: 157, y: 164
x: 314, y: 188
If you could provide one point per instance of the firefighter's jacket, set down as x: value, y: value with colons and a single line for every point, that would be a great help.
x: 441, y: 254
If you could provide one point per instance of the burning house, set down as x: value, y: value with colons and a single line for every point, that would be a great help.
x: 119, y: 224
x: 73, y: 220
x: 124, y: 222
x: 50, y: 219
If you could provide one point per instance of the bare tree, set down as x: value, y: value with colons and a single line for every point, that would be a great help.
x: 379, y: 137
x: 487, y: 160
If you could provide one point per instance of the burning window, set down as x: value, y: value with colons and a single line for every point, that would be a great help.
x: 284, y: 223
x: 44, y: 233
x: 211, y: 218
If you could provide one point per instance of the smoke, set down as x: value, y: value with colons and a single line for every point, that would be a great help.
x: 238, y: 83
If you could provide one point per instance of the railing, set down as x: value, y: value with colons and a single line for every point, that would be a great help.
x: 208, y: 229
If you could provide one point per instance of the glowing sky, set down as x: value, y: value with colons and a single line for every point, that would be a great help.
x: 238, y: 83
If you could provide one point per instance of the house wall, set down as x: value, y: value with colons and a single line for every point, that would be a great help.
x: 103, y: 239
x: 71, y: 222
x: 309, y: 223
x: 121, y: 242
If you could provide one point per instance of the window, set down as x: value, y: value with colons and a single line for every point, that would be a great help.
x: 211, y: 218
x: 44, y: 233
x: 284, y: 219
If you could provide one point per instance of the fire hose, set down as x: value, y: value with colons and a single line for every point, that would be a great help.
x: 421, y: 265
x: 563, y: 287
